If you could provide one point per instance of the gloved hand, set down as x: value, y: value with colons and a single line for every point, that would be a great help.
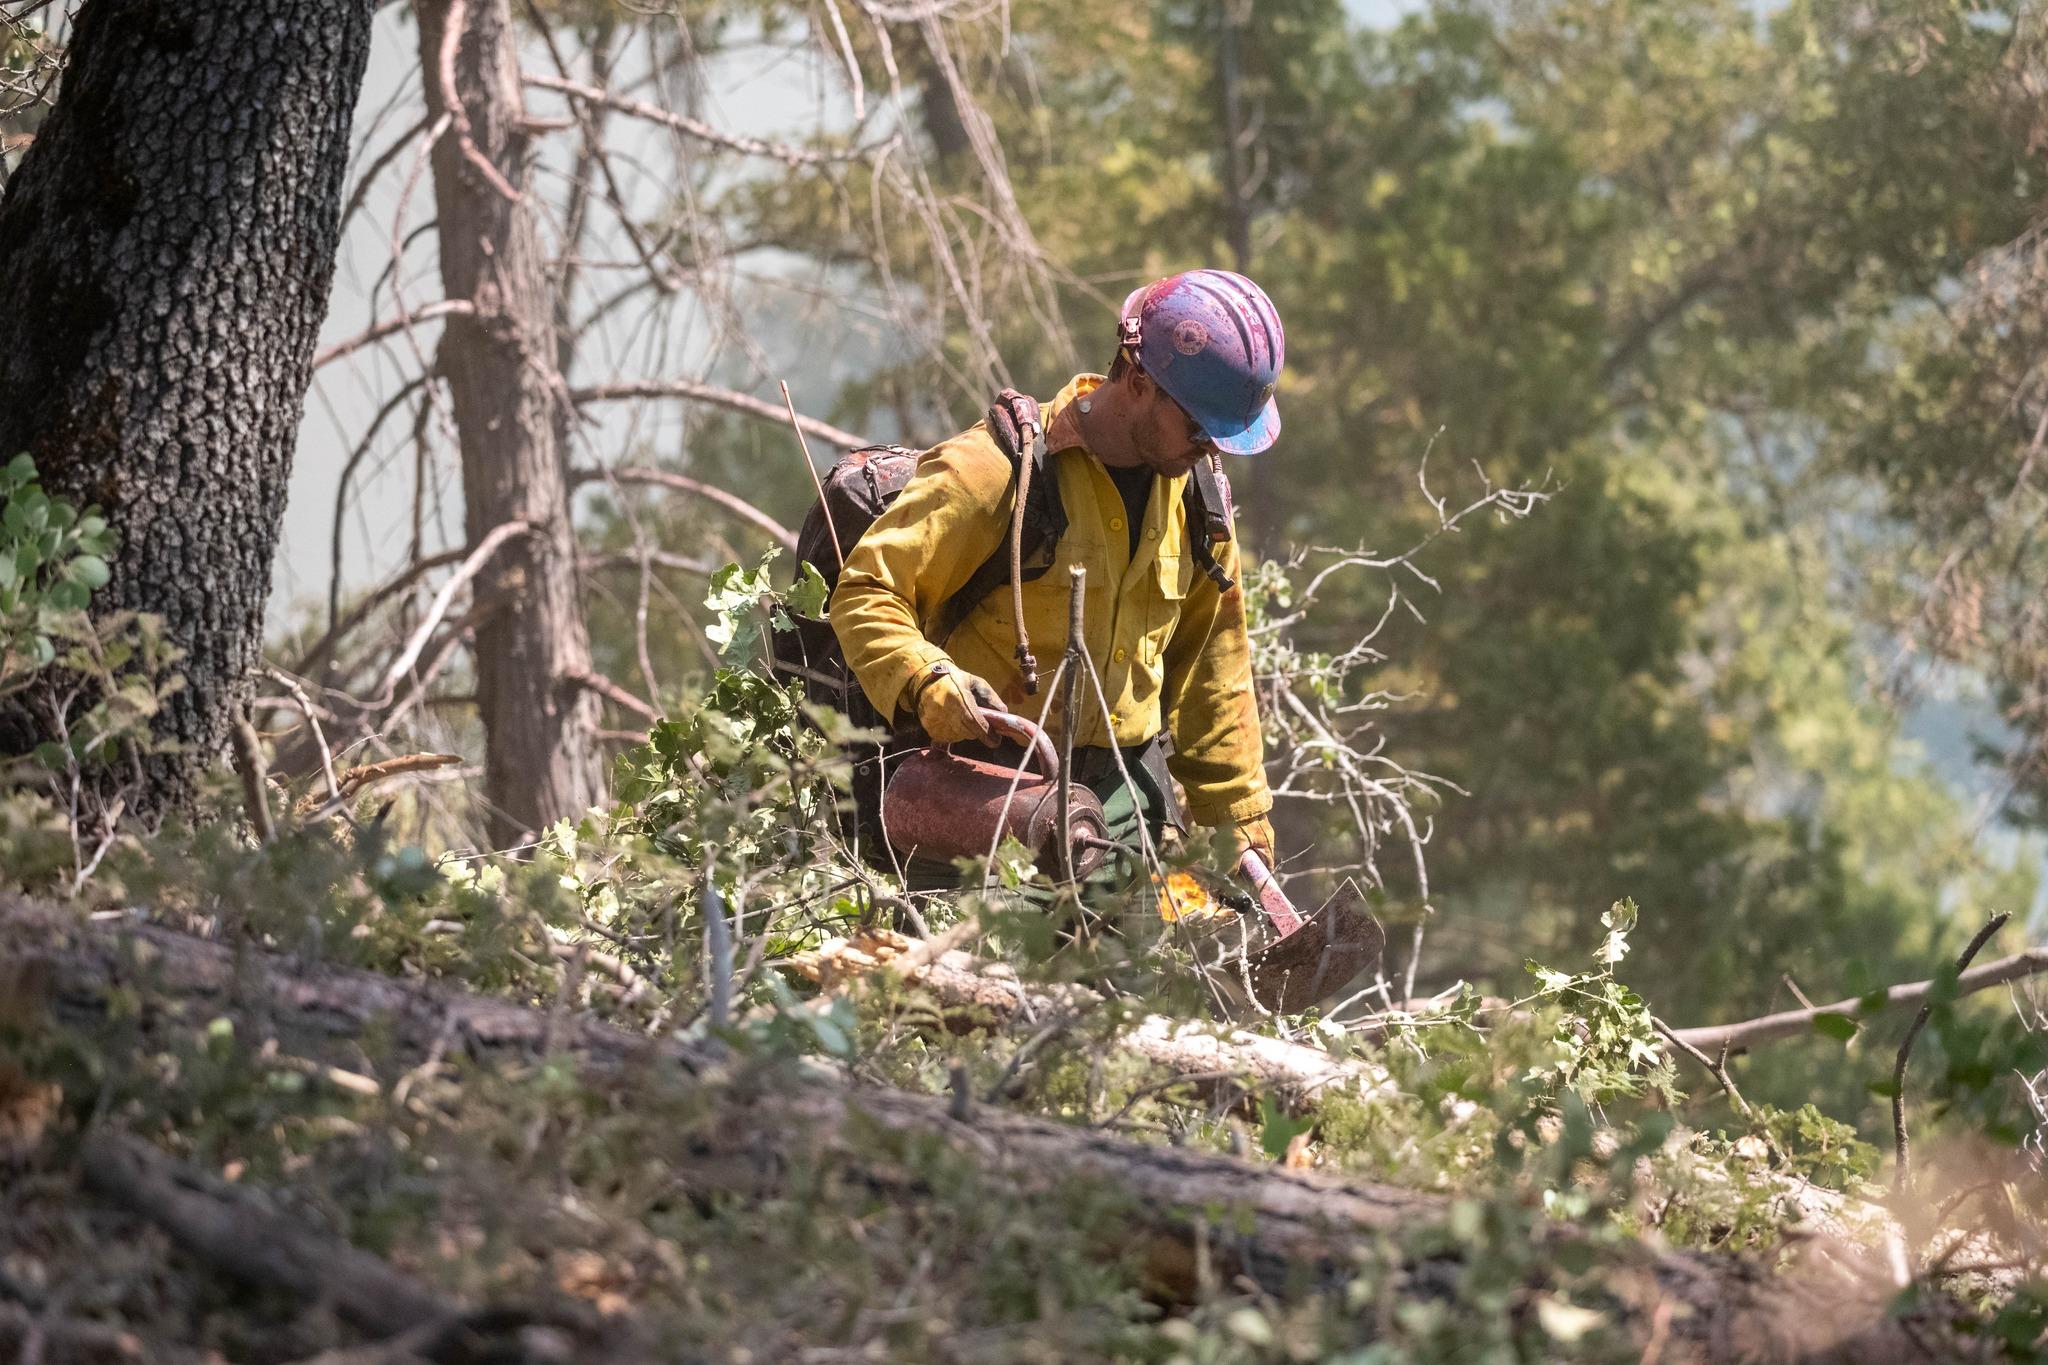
x: 1257, y: 835
x: 947, y: 701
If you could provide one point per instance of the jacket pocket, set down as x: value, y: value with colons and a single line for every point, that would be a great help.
x: 1176, y: 574
x: 1170, y: 583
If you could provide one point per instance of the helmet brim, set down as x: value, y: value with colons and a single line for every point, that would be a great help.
x: 1256, y: 436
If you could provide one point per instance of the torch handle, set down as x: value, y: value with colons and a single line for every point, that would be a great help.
x: 1010, y: 725
x: 1280, y: 911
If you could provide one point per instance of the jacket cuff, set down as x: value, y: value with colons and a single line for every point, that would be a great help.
x: 1244, y: 808
x: 898, y: 677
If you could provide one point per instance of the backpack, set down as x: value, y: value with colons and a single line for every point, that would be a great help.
x: 863, y: 484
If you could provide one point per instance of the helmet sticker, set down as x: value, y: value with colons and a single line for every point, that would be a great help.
x: 1190, y: 336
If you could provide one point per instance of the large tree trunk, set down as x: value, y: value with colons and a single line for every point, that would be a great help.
x: 1293, y: 1232
x: 512, y: 413
x: 165, y: 253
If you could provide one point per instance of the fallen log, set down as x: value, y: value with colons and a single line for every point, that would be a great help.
x: 1300, y: 1075
x: 1294, y: 1071
x: 234, y: 1230
x: 25, y: 1336
x: 1290, y: 1232
x: 304, y: 1004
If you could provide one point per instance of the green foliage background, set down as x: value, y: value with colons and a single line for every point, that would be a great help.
x: 1697, y: 264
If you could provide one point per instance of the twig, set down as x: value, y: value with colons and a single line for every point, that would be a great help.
x: 697, y: 128
x: 109, y: 826
x: 683, y: 483
x: 249, y: 763
x: 1797, y: 994
x: 305, y: 705
x: 368, y: 603
x: 718, y: 397
x: 365, y: 775
x: 1058, y: 1024
x: 442, y: 600
x: 1717, y: 1069
x: 634, y: 559
x: 1902, y: 1176
x: 838, y: 550
x: 234, y: 1230
x: 1186, y: 1078
x: 353, y: 1082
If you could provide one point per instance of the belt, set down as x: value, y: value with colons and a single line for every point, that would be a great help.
x: 1093, y: 764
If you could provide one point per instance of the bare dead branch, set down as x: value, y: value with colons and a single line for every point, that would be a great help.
x: 443, y: 599
x: 319, y: 651
x: 696, y: 128
x: 1771, y: 1028
x: 368, y: 175
x: 451, y: 101
x: 660, y: 559
x: 307, y: 709
x: 392, y: 326
x: 366, y: 775
x: 356, y: 455
x: 1717, y: 1068
x: 683, y: 483
x: 617, y: 695
x: 718, y: 397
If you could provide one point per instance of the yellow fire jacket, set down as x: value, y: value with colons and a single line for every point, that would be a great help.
x: 1170, y: 647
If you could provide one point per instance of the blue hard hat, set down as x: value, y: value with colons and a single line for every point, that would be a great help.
x: 1213, y: 341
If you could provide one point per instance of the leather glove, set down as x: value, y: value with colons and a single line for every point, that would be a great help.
x: 947, y: 701
x: 1257, y: 835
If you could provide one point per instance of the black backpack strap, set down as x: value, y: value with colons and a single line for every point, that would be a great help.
x: 1207, y: 497
x: 1010, y: 417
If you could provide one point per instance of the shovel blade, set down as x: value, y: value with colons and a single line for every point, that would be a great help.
x: 1332, y: 947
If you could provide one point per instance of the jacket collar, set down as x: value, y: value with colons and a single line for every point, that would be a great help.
x: 1062, y: 420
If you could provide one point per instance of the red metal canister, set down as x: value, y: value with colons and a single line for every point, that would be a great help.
x: 938, y: 805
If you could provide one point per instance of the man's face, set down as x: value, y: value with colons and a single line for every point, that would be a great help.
x: 1168, y: 440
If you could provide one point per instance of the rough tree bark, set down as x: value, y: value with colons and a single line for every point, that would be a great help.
x: 1290, y: 1231
x: 165, y: 253
x: 512, y: 413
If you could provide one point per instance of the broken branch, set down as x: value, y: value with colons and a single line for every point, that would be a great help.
x: 1772, y: 1028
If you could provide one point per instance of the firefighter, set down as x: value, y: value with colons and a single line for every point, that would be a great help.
x: 1197, y: 358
